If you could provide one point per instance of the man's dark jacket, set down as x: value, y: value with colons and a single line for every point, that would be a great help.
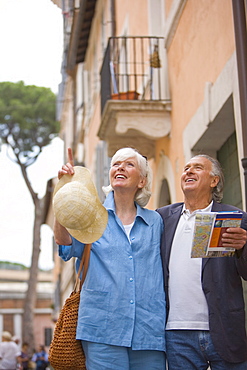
x: 222, y: 286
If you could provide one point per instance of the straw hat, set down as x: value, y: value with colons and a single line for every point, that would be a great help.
x: 77, y: 206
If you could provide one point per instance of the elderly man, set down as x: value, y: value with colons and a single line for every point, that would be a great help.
x: 206, y: 318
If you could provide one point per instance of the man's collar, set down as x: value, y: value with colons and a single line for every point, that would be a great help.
x: 207, y: 209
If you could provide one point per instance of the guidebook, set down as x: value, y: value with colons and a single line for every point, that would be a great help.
x: 209, y: 227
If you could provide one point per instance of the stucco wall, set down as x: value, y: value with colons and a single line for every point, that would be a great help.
x: 202, y: 45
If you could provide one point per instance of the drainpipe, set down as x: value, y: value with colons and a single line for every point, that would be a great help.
x: 113, y: 18
x: 239, y: 18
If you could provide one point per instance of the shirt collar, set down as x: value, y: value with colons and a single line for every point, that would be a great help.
x: 109, y: 204
x: 207, y: 209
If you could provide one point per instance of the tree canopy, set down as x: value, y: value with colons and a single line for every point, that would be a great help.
x: 27, y: 124
x: 27, y: 119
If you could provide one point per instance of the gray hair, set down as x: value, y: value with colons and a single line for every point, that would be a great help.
x: 143, y: 195
x: 217, y: 191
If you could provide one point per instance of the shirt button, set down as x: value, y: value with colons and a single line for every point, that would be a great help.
x: 130, y: 257
x: 131, y: 279
x: 131, y: 301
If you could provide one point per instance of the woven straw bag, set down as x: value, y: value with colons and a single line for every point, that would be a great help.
x: 65, y: 350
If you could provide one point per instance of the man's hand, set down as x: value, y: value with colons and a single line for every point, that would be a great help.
x: 68, y: 168
x: 235, y: 237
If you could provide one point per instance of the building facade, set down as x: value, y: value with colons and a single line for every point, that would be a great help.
x: 13, y: 286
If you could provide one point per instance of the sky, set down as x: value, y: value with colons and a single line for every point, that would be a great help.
x: 31, y: 47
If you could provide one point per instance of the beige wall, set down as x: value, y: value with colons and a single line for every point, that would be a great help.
x: 132, y: 16
x: 201, y: 46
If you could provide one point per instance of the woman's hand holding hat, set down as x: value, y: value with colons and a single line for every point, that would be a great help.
x: 77, y: 208
x: 68, y: 168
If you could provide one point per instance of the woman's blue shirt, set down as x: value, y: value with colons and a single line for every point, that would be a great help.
x: 122, y: 299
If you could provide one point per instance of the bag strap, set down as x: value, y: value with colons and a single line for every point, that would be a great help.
x: 83, y: 267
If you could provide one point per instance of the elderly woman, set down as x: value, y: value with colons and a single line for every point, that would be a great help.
x: 121, y: 320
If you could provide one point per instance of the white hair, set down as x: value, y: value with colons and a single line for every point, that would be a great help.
x: 142, y: 195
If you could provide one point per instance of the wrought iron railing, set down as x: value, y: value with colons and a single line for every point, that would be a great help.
x: 133, y: 68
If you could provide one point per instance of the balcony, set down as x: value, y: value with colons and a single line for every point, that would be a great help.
x: 135, y: 104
